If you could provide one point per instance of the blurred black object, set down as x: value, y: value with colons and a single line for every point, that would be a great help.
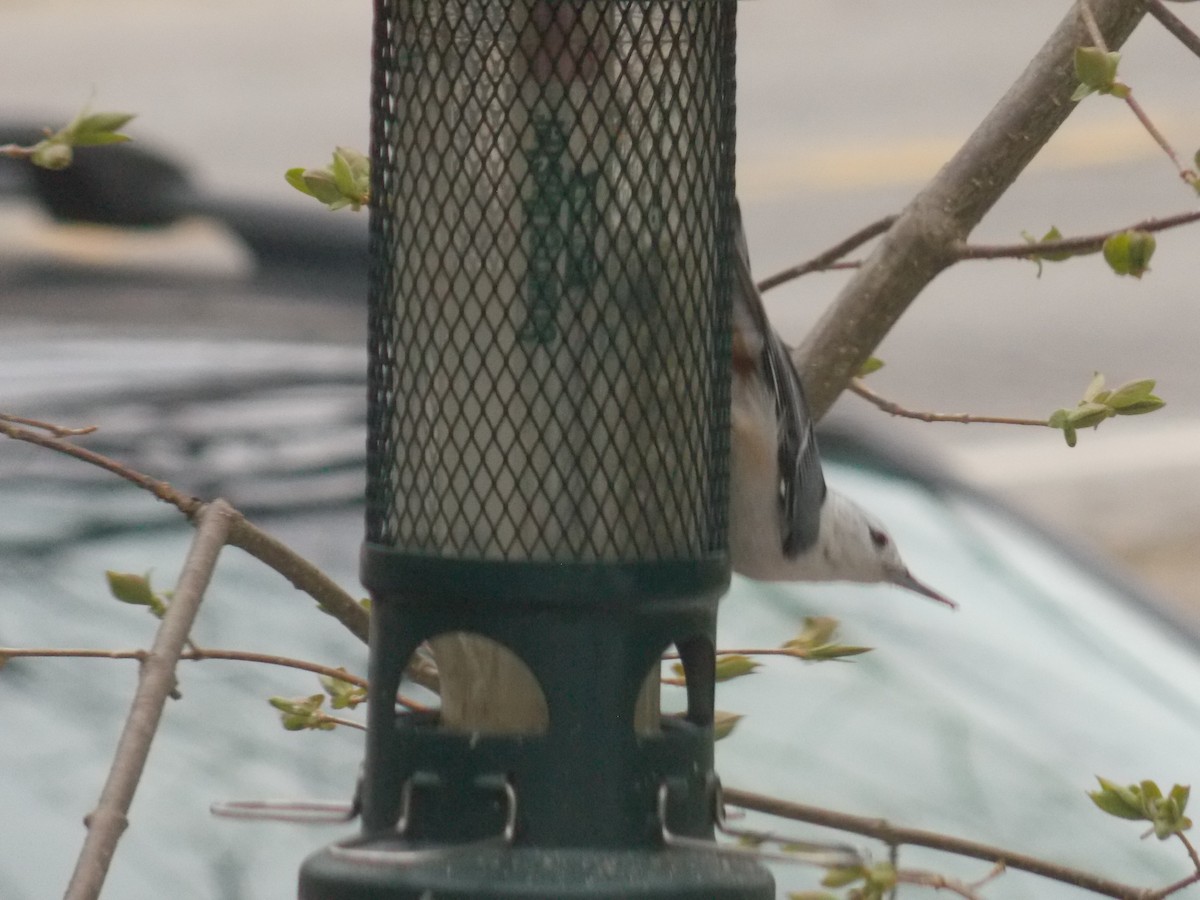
x: 122, y: 184
x: 135, y: 186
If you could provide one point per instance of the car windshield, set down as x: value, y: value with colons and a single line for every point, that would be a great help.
x: 987, y: 722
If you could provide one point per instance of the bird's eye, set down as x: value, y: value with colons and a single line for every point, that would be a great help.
x: 878, y: 538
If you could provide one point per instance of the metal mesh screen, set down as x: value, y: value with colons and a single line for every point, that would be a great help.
x: 549, y: 334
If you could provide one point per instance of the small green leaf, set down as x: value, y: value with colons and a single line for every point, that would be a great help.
x: 1131, y: 392
x: 734, y: 665
x: 1094, y: 389
x: 1180, y: 794
x: 1097, y: 71
x: 1140, y: 408
x: 873, y: 364
x: 346, y: 181
x: 97, y: 129
x: 815, y: 642
x: 1081, y: 91
x: 302, y: 713
x: 1052, y: 235
x: 1118, y: 800
x: 52, y: 154
x: 882, y: 876
x: 322, y: 185
x: 1088, y: 415
x: 130, y: 588
x: 817, y: 630
x: 724, y: 723
x: 136, y: 590
x: 295, y: 177
x: 90, y: 123
x: 359, y: 165
x: 343, y: 177
x: 343, y: 694
x: 1114, y: 806
x: 836, y: 878
x: 811, y: 895
x: 1129, y: 252
x: 835, y: 651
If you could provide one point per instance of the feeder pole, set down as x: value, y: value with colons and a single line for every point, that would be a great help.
x: 551, y: 239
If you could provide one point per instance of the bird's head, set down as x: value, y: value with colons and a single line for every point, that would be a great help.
x: 856, y: 547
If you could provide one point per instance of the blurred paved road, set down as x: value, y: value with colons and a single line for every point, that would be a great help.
x: 844, y: 109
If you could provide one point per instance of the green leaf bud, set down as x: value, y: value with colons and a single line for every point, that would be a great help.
x: 1129, y: 252
x: 835, y: 878
x: 1094, y: 388
x: 873, y: 364
x: 130, y: 588
x: 1131, y: 392
x: 96, y: 129
x: 1096, y: 71
x: 1141, y: 407
x: 724, y: 723
x: 52, y: 154
x: 734, y: 665
x: 1088, y: 415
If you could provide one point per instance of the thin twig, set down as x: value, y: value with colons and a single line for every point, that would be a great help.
x: 160, y: 489
x: 349, y: 723
x: 828, y: 259
x: 937, y: 881
x: 1174, y: 24
x: 1093, y: 29
x: 1185, y: 174
x: 882, y: 830
x: 258, y: 543
x: 1089, y: 20
x: 155, y: 682
x: 15, y: 151
x: 199, y: 654
x: 196, y: 655
x: 800, y: 653
x: 1191, y: 850
x: 997, y: 870
x: 1173, y: 887
x: 888, y: 406
x: 56, y: 430
x: 1091, y: 243
x: 305, y: 577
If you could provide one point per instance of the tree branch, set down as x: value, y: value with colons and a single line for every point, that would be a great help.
x: 936, y: 881
x: 199, y: 654
x: 155, y: 683
x: 858, y: 386
x: 196, y: 655
x: 924, y: 239
x: 828, y: 259
x: 882, y: 830
x: 1090, y: 243
x: 1174, y: 24
x: 269, y: 550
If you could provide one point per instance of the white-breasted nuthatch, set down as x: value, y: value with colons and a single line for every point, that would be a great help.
x: 784, y: 524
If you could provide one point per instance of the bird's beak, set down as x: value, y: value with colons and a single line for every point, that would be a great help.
x: 909, y: 582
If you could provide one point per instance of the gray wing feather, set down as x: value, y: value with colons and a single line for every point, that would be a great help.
x: 801, y: 480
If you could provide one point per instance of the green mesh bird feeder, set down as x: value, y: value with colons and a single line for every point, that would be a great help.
x: 551, y: 223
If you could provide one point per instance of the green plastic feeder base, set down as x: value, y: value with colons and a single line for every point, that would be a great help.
x: 535, y: 874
